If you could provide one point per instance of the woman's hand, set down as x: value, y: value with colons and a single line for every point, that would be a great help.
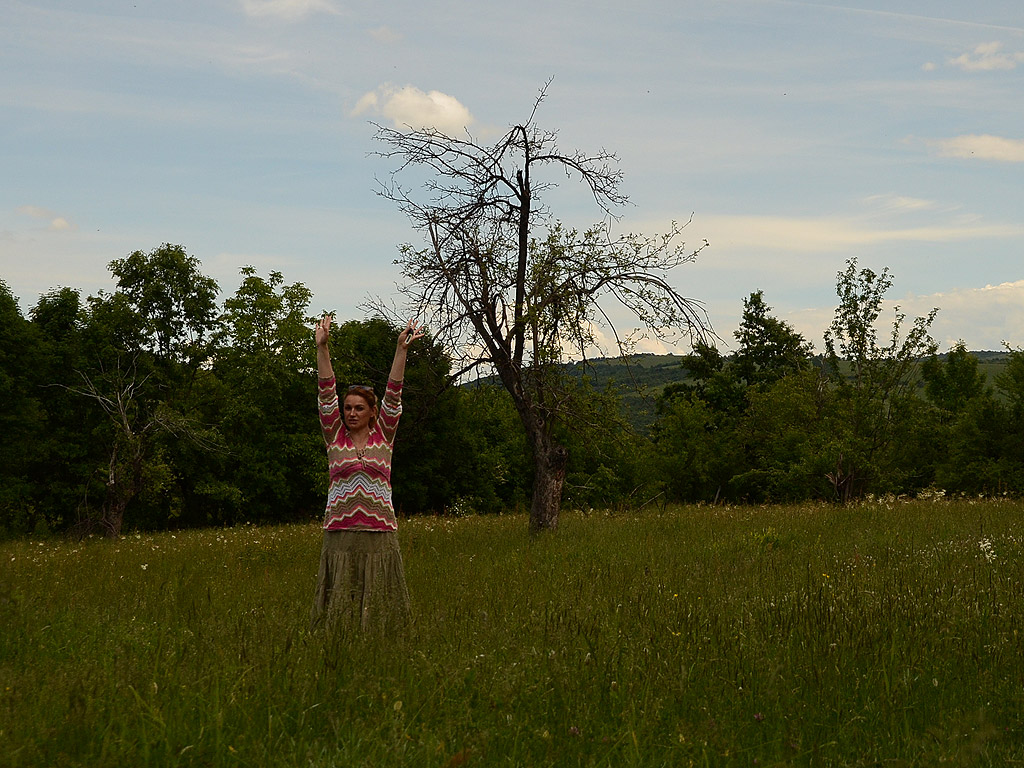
x: 323, y: 331
x: 413, y: 330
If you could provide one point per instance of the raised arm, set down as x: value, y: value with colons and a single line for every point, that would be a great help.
x: 327, y: 388
x: 412, y: 331
x: 323, y: 352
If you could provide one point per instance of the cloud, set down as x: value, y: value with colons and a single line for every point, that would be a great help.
x: 981, y: 147
x: 832, y: 233
x: 288, y: 10
x: 983, y: 317
x: 987, y: 57
x: 410, y: 107
x: 55, y: 223
x: 891, y: 202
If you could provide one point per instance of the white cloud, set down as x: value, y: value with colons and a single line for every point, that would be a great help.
x: 35, y: 211
x: 832, y: 233
x: 893, y: 203
x: 289, y: 10
x: 409, y: 107
x: 982, y: 147
x: 636, y: 340
x: 986, y: 57
x: 984, y: 317
x: 55, y: 223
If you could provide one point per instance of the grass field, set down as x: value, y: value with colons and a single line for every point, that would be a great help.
x: 887, y: 633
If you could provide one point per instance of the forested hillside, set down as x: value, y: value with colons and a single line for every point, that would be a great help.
x: 640, y: 379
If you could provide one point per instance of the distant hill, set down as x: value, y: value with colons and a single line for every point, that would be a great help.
x: 989, y: 363
x: 640, y: 378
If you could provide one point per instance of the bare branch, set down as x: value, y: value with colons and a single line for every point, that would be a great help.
x: 498, y: 296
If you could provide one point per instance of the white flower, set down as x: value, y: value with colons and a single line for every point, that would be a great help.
x: 987, y: 550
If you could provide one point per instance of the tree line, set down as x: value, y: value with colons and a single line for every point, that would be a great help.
x: 153, y: 406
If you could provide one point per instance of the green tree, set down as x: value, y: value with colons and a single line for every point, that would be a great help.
x: 22, y: 415
x: 256, y: 460
x: 500, y: 297
x: 484, y: 464
x: 1010, y: 382
x: 695, y: 452
x: 875, y: 382
x: 606, y: 465
x: 721, y: 394
x: 951, y: 383
x: 974, y: 459
x: 122, y: 388
x: 711, y: 377
x: 66, y: 441
x: 769, y: 348
x: 177, y: 303
x: 143, y: 346
x: 785, y: 431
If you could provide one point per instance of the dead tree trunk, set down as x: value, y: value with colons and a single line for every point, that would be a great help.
x: 123, y: 483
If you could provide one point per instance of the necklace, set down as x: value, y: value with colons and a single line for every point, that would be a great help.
x: 361, y: 452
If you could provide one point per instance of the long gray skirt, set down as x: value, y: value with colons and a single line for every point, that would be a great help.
x: 361, y: 583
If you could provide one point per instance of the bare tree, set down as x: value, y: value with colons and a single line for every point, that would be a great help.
x: 129, y: 441
x: 134, y: 420
x: 499, y: 297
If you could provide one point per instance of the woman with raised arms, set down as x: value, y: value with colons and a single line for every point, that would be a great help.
x: 362, y: 579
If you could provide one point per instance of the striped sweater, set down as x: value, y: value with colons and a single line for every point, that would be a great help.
x: 359, y: 497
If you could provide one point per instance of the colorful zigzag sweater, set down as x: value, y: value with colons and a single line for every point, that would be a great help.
x: 359, y: 497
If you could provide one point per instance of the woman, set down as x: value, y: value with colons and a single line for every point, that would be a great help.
x: 362, y: 579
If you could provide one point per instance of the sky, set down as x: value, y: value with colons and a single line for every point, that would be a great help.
x: 793, y: 136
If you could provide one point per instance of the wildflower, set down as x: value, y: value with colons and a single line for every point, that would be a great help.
x: 987, y: 550
x: 574, y: 731
x: 759, y: 716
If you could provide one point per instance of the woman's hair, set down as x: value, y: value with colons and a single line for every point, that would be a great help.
x: 364, y: 391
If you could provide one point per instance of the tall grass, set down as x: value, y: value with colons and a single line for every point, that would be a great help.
x: 886, y: 633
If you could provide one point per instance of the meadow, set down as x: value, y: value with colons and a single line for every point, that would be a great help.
x: 884, y: 633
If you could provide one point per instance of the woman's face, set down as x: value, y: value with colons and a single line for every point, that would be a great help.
x: 358, y: 413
